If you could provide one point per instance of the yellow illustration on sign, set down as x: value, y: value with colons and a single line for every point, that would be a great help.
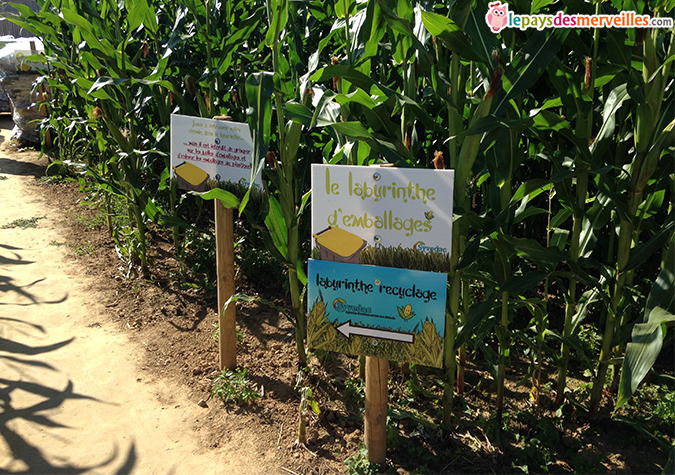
x: 339, y: 245
x: 406, y: 312
x: 191, y: 177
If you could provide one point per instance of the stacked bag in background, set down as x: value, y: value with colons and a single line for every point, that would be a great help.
x: 17, y: 77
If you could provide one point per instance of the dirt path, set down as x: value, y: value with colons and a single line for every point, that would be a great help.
x: 73, y: 396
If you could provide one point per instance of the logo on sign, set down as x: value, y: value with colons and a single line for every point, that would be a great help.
x: 342, y: 306
x: 420, y: 246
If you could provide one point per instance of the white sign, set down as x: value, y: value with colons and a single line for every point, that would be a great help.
x: 205, y: 150
x: 385, y: 206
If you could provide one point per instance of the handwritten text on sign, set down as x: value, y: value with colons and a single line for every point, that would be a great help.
x: 385, y: 206
x: 208, y: 149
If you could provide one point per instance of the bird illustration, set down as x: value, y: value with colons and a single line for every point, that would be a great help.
x: 406, y: 312
x: 429, y: 214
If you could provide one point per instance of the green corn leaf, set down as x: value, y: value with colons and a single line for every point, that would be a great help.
x: 277, y: 22
x: 548, y: 120
x: 352, y: 129
x: 559, y: 238
x: 593, y: 223
x: 300, y: 270
x: 583, y: 305
x: 361, y: 97
x: 662, y: 293
x: 641, y: 352
x: 106, y: 81
x: 169, y: 221
x: 560, y: 217
x: 530, y: 190
x: 271, y: 247
x: 277, y: 226
x: 521, y: 284
x: 614, y: 101
x: 291, y: 144
x: 538, y: 5
x: 483, y: 40
x: 326, y: 111
x: 477, y: 313
x: 259, y: 91
x: 525, y: 212
x: 640, y: 253
x: 98, y: 94
x: 451, y: 35
x: 355, y: 77
x: 225, y: 197
x: 298, y: 113
x: 529, y: 64
x: 534, y: 252
x: 345, y: 8
x: 141, y: 13
x: 492, y: 122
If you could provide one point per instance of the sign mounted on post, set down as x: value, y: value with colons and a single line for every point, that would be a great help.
x: 386, y: 207
x: 395, y: 314
x: 204, y: 150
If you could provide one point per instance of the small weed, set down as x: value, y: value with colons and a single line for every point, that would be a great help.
x: 59, y: 244
x: 234, y: 386
x: 23, y: 223
x: 394, y: 437
x: 587, y: 463
x: 86, y: 248
x: 198, y: 254
x: 356, y: 390
x: 655, y: 406
x: 360, y: 465
x: 93, y: 222
x: 56, y: 179
x: 4, y: 177
x: 215, y: 334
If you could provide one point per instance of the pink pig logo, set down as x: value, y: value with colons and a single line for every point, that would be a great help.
x: 497, y: 17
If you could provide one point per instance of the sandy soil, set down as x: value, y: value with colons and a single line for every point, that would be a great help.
x: 73, y: 396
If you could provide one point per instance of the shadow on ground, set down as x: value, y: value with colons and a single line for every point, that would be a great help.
x: 27, y: 457
x: 15, y: 167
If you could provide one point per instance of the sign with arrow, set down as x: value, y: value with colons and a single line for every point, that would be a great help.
x: 395, y: 314
x: 348, y: 330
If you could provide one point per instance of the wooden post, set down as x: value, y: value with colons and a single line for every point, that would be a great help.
x: 377, y: 370
x: 227, y: 320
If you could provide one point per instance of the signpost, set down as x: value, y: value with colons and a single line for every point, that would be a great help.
x: 380, y: 312
x: 205, y: 152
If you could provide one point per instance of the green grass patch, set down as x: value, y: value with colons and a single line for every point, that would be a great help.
x: 23, y: 223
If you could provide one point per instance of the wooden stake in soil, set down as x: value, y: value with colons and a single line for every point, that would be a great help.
x: 377, y: 370
x: 227, y: 320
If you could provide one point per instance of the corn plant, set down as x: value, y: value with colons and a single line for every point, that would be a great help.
x: 653, y: 133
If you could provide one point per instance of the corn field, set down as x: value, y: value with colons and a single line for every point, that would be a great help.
x: 562, y: 142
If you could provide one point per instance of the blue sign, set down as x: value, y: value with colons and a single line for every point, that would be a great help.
x: 391, y: 313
